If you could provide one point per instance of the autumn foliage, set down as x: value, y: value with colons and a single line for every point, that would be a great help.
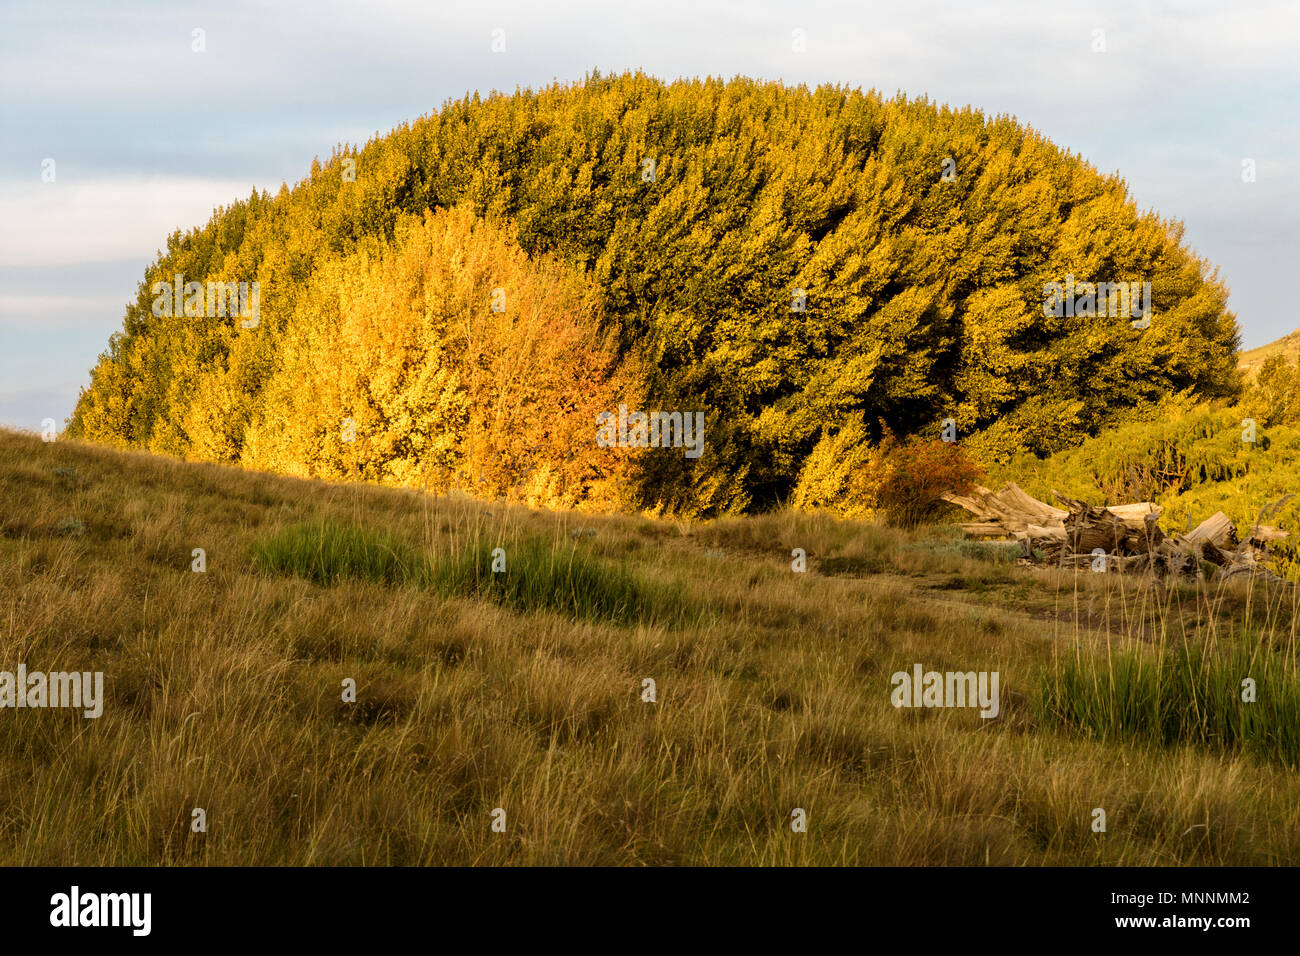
x: 901, y: 481
x: 905, y: 481
x: 443, y: 390
x: 798, y: 263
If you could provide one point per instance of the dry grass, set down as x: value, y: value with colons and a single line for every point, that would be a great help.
x: 224, y: 691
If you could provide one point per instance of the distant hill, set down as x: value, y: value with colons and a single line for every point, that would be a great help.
x: 786, y: 264
x: 1288, y: 345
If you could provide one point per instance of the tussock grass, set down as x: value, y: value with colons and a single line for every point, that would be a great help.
x: 525, y: 573
x: 555, y: 576
x: 1185, y: 694
x: 326, y: 552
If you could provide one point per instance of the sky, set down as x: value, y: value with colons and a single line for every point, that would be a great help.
x: 148, y: 134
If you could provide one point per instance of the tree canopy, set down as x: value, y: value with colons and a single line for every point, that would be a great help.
x: 797, y: 263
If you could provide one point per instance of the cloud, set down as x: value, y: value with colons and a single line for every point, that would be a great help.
x: 102, y: 220
x: 149, y: 135
x: 27, y: 408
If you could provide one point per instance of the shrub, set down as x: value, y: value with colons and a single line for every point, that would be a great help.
x: 905, y: 481
x: 376, y: 313
x: 1274, y: 398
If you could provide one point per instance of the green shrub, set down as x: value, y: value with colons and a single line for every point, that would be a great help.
x: 1191, y: 461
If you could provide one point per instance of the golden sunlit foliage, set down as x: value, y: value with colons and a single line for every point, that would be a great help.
x: 441, y: 391
x: 794, y: 262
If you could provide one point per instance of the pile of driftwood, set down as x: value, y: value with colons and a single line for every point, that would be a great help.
x: 1119, y: 538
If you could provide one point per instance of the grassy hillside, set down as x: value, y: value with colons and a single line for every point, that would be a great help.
x: 1251, y: 360
x: 523, y: 691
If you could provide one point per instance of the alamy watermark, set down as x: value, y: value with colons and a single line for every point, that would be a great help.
x: 1131, y: 300
x: 215, y: 300
x: 75, y: 908
x: 924, y: 688
x: 78, y: 689
x: 651, y: 430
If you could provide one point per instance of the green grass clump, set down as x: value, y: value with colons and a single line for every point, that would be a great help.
x: 539, y: 575
x: 1185, y: 694
x: 327, y: 552
x: 554, y: 576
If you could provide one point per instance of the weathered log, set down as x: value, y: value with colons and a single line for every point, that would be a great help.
x: 1014, y: 497
x: 971, y: 504
x: 1135, y: 513
x: 1129, y: 535
x: 1216, y: 529
x: 1088, y: 528
x: 1090, y: 562
x: 1037, y: 532
x: 1049, y: 541
x: 984, y: 529
x: 1216, y: 555
x: 1147, y: 561
x: 1265, y: 535
x: 1151, y: 530
x: 1269, y: 511
x: 1171, y: 557
x: 1009, y: 507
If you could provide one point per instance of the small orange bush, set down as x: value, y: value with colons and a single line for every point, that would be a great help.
x: 905, y: 481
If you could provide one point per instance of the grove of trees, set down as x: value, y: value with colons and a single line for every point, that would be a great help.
x: 807, y: 265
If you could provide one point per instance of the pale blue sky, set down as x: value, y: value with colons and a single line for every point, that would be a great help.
x: 149, y: 136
